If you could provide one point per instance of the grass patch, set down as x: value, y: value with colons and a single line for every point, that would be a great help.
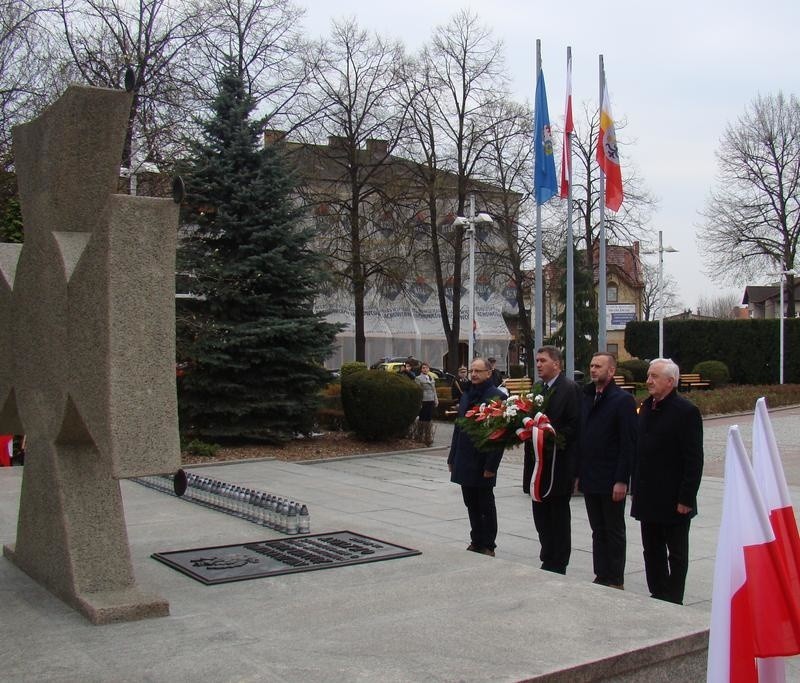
x: 742, y: 398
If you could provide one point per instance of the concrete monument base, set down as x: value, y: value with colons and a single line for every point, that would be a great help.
x: 103, y: 607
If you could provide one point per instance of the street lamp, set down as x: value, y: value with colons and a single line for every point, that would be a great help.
x: 471, y: 221
x: 780, y: 324
x: 660, y: 251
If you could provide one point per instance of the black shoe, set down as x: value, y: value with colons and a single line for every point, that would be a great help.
x: 474, y: 548
x: 486, y: 551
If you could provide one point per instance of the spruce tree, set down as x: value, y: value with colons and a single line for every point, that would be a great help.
x: 585, y: 312
x: 254, y: 342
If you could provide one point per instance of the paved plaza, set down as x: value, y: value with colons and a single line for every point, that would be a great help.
x: 445, y: 615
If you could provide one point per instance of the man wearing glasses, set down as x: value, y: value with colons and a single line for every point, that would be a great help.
x: 476, y: 470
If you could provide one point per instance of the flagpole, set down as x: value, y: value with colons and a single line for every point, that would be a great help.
x: 601, y: 289
x: 570, y: 302
x: 538, y: 286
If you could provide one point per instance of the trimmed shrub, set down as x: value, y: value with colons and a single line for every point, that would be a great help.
x: 638, y: 368
x: 379, y: 405
x: 352, y: 366
x: 516, y: 371
x: 330, y: 415
x: 627, y: 374
x: 715, y: 371
x: 688, y: 342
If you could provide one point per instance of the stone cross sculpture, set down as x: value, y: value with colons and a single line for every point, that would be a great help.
x: 87, y: 352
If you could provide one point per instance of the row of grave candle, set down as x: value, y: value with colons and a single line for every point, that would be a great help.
x: 259, y: 507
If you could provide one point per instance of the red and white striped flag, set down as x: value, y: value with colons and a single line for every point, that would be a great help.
x: 768, y: 471
x: 6, y: 449
x: 569, y: 127
x: 750, y: 614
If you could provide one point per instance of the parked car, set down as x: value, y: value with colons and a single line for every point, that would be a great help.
x: 395, y: 366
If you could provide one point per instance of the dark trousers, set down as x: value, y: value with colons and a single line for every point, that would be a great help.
x: 482, y: 515
x: 607, y: 520
x: 552, y: 520
x: 666, y: 559
x: 527, y: 467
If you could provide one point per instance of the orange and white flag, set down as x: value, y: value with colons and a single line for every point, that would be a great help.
x: 608, y: 154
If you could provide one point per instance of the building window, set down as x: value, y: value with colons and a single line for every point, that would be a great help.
x: 612, y: 295
x: 613, y: 349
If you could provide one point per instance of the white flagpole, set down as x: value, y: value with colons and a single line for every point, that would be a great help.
x: 601, y: 285
x: 570, y: 302
x: 538, y: 298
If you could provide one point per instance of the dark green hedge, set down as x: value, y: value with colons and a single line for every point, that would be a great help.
x: 750, y: 348
x: 378, y: 404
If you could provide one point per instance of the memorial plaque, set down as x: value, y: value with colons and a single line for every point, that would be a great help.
x: 239, y: 562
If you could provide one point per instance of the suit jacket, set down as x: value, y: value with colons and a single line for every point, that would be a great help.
x: 564, y: 410
x: 467, y: 461
x: 608, y: 439
x: 669, y: 459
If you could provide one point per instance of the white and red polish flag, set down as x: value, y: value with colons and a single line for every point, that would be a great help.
x: 569, y: 127
x: 750, y: 613
x: 768, y: 471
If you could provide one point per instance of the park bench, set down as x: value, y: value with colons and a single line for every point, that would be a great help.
x: 622, y: 383
x: 518, y: 385
x: 692, y: 380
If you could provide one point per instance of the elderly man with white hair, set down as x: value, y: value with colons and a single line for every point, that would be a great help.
x: 667, y: 471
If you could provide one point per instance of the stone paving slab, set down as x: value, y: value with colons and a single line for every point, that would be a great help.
x: 446, y: 615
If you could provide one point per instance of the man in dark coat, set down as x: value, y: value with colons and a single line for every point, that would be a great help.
x: 557, y: 471
x: 476, y: 470
x: 496, y: 377
x: 667, y: 472
x: 607, y: 442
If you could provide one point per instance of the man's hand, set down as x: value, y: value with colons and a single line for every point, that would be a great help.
x: 487, y: 474
x: 683, y: 509
x: 619, y: 491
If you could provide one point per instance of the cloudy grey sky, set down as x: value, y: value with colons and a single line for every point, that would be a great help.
x: 678, y: 72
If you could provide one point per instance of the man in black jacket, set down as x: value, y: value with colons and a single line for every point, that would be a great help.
x: 607, y: 442
x: 667, y: 472
x: 476, y: 470
x: 556, y: 468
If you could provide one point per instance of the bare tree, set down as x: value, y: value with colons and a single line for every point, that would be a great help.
x: 508, y: 161
x: 264, y: 41
x: 357, y: 83
x: 628, y: 224
x: 752, y: 218
x: 720, y: 306
x: 26, y: 77
x: 465, y: 67
x: 658, y: 295
x: 154, y: 38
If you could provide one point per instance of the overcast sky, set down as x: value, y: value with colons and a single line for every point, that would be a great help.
x: 678, y: 72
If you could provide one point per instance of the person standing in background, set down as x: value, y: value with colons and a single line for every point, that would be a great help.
x: 429, y: 401
x: 497, y: 378
x: 460, y: 383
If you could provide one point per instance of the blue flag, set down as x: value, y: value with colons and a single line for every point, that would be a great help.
x: 545, y: 184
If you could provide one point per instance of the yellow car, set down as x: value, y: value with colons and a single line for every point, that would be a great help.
x: 397, y: 367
